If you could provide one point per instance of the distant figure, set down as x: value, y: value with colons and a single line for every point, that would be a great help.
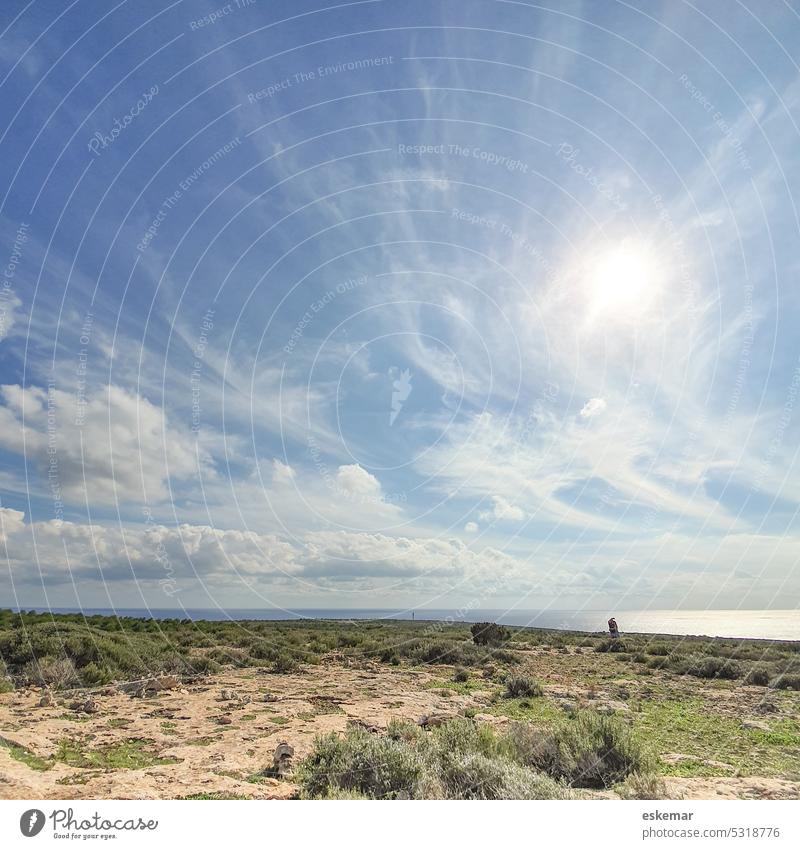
x: 613, y: 630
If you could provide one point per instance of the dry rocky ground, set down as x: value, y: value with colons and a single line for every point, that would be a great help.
x: 216, y: 735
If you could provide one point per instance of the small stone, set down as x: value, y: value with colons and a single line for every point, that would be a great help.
x: 611, y: 706
x: 88, y: 705
x: 46, y: 699
x: 224, y: 720
x: 431, y: 720
x: 282, y: 759
x: 754, y: 725
x: 485, y: 717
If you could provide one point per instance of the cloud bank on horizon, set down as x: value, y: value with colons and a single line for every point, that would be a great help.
x: 381, y: 304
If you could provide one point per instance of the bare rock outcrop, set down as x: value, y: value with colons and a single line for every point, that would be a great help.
x: 149, y: 686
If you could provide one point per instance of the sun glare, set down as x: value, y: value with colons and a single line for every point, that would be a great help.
x: 622, y: 279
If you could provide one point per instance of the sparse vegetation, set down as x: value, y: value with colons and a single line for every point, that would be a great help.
x: 759, y: 675
x: 662, y: 708
x: 70, y: 650
x: 611, y: 646
x: 712, y: 667
x: 489, y: 634
x: 786, y: 681
x: 458, y: 760
x: 643, y: 786
x: 20, y: 753
x: 588, y: 751
x: 285, y: 663
x: 522, y: 686
x: 127, y: 754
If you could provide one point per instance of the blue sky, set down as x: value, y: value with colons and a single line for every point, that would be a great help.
x: 479, y: 304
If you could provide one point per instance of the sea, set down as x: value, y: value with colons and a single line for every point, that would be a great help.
x: 744, y: 624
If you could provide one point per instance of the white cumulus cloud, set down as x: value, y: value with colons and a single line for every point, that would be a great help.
x: 593, y: 407
x: 503, y: 511
x: 358, y: 482
x: 111, y: 446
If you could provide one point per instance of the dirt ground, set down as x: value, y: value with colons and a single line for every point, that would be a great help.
x: 186, y: 724
x: 217, y: 735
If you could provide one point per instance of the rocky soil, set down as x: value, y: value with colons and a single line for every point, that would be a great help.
x: 218, y: 736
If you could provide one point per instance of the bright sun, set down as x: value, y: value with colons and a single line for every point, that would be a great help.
x: 622, y: 279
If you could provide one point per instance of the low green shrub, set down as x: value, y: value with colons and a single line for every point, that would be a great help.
x: 457, y: 760
x: 759, y: 675
x: 263, y: 651
x: 465, y: 737
x: 202, y: 665
x: 504, y: 656
x: 476, y: 776
x: 229, y: 656
x: 94, y: 674
x: 55, y: 672
x: 522, y: 686
x: 591, y: 750
x: 439, y: 651
x: 610, y: 645
x: 644, y: 786
x: 489, y: 634
x: 374, y: 766
x: 787, y: 681
x: 285, y: 663
x: 711, y: 667
x: 336, y: 793
x: 390, y: 656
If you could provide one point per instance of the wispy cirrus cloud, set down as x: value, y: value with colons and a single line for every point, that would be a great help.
x: 395, y: 340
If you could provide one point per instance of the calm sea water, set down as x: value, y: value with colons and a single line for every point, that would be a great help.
x: 755, y: 624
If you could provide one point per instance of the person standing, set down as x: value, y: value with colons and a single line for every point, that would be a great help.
x: 613, y: 630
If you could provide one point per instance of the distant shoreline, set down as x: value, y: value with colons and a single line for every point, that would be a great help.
x: 546, y: 621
